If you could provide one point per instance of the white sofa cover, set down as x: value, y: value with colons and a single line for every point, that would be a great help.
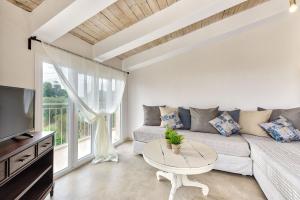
x: 276, y: 167
x: 233, y: 152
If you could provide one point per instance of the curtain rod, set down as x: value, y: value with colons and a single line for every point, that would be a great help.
x: 34, y: 38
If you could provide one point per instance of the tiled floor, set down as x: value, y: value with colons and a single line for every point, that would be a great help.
x: 133, y: 179
x: 84, y: 148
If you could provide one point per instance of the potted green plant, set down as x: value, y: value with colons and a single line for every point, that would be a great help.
x: 176, y: 141
x: 167, y: 137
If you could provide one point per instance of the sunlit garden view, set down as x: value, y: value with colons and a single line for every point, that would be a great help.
x: 55, y: 106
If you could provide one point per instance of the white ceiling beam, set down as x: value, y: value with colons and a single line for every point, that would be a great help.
x: 170, y: 19
x: 54, y: 18
x: 199, y: 37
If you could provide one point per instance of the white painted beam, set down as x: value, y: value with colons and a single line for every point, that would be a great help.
x: 172, y: 18
x: 199, y: 37
x: 54, y: 18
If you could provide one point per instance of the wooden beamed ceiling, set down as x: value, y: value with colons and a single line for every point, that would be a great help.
x: 198, y: 25
x: 125, y: 13
x: 117, y: 17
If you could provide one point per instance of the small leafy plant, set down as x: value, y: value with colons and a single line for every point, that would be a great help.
x: 175, y: 138
x: 167, y: 133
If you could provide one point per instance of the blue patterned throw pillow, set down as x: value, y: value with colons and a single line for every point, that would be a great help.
x: 282, y: 130
x: 225, y: 124
x: 171, y: 120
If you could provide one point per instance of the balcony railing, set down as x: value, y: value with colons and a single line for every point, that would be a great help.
x: 55, y: 118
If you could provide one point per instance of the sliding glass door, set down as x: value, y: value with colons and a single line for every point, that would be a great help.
x: 73, y: 133
x: 56, y: 112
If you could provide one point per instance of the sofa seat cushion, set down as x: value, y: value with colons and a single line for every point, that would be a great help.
x: 234, y: 145
x: 280, y: 162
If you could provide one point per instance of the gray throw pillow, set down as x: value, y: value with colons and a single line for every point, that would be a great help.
x: 185, y: 117
x: 292, y: 115
x: 200, y: 119
x: 151, y: 115
x: 235, y: 114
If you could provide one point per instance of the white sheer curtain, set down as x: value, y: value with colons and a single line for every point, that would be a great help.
x: 104, y: 91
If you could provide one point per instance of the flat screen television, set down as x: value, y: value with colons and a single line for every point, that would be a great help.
x: 16, y: 111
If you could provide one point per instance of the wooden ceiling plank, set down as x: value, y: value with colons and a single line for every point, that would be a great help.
x: 153, y: 5
x: 144, y: 7
x: 97, y: 30
x: 37, y: 2
x: 244, y: 6
x: 86, y: 37
x: 84, y: 33
x: 170, y: 2
x: 89, y: 31
x: 111, y: 17
x: 20, y: 5
x: 120, y: 15
x: 162, y: 4
x: 125, y: 9
x: 135, y: 9
x: 97, y: 21
x: 27, y: 3
x: 105, y: 21
x: 74, y: 33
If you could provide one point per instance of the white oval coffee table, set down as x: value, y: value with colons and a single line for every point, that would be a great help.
x: 195, y: 158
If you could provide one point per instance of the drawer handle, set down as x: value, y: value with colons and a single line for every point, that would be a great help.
x: 24, y: 158
x: 46, y: 144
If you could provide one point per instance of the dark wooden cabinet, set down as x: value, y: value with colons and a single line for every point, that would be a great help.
x: 2, y: 170
x: 26, y: 167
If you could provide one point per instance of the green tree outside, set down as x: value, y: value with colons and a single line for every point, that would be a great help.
x: 55, y: 100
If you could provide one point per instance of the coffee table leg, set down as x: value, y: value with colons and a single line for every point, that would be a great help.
x: 166, y: 175
x: 173, y: 178
x: 180, y: 180
x: 187, y: 182
x: 174, y: 187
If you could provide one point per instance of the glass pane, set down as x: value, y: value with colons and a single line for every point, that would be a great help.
x: 81, y: 92
x: 84, y: 137
x: 116, y: 125
x: 55, y: 115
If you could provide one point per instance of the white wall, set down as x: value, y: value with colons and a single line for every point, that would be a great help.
x: 16, y: 61
x: 258, y: 66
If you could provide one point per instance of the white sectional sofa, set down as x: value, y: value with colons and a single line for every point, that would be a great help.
x: 276, y: 166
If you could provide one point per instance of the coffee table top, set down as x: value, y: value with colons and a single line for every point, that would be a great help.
x: 194, y: 158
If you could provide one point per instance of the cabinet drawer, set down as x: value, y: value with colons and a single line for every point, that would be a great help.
x: 19, y: 160
x: 2, y: 171
x: 44, y: 145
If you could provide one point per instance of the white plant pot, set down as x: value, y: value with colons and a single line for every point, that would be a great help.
x: 176, y: 148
